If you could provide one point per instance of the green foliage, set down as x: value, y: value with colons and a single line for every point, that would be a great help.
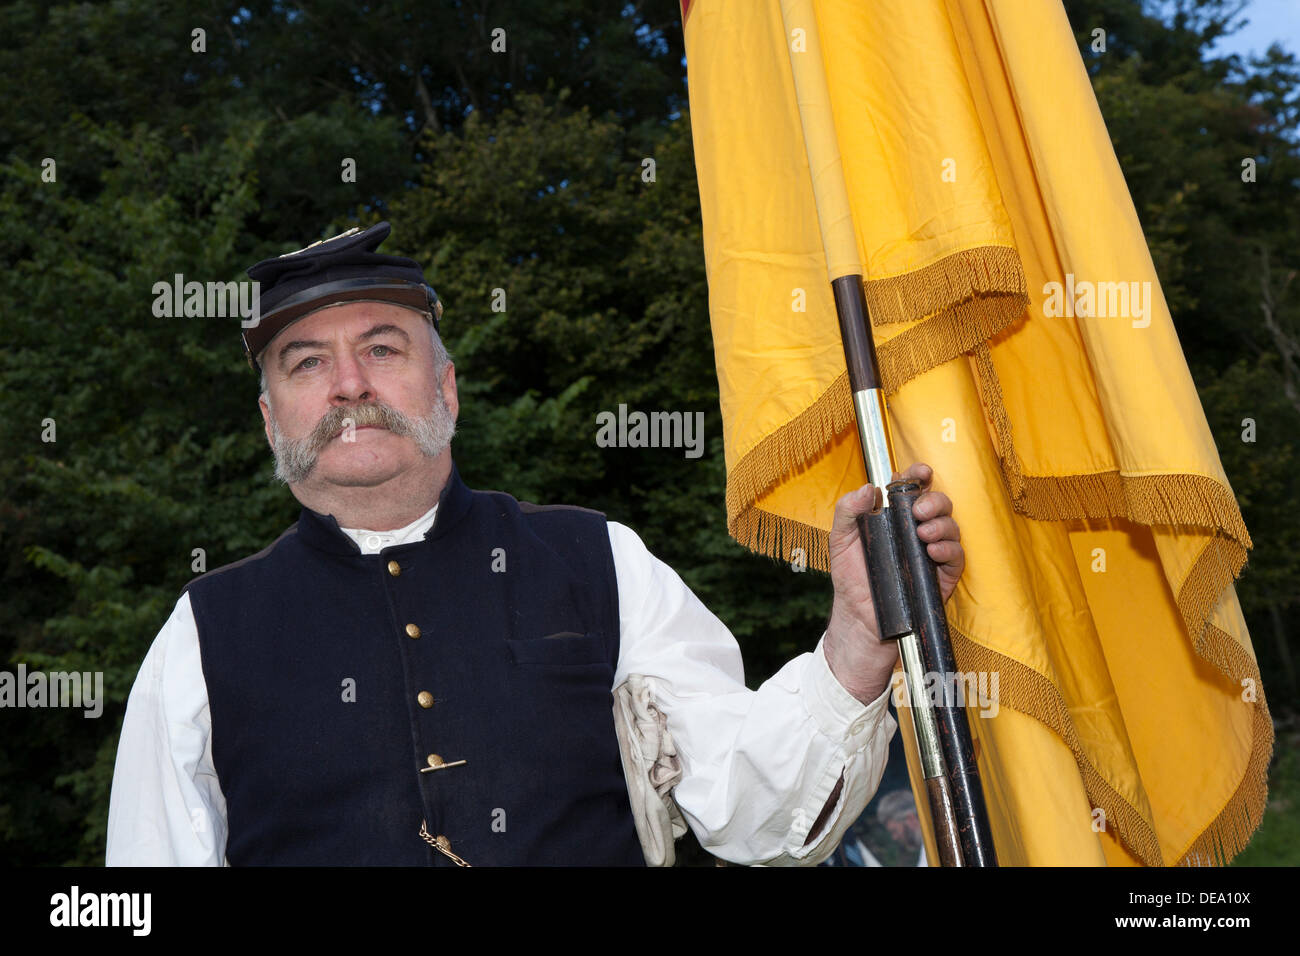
x: 521, y: 172
x: 1275, y: 842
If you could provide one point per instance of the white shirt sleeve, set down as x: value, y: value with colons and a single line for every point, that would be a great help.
x: 758, y: 765
x: 166, y: 807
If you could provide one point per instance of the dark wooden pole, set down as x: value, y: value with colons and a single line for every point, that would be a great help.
x: 909, y: 606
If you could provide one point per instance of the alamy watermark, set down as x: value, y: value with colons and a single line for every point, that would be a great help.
x: 978, y: 689
x: 208, y: 300
x: 1086, y: 299
x: 651, y: 430
x: 75, y: 908
x: 55, y: 689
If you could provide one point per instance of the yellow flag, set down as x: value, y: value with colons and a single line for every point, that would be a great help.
x: 1028, y: 355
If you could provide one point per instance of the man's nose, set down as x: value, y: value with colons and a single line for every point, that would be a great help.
x: 351, y: 383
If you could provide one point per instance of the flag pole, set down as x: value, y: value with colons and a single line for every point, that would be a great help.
x: 904, y: 582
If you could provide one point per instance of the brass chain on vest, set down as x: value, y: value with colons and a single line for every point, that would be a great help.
x: 440, y: 843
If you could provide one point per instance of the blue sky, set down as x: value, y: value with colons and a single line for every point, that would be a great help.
x: 1270, y: 20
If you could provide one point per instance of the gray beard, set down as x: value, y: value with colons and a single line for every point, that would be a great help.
x: 295, y: 458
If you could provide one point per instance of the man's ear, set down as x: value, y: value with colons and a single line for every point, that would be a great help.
x: 449, y: 393
x: 266, y: 419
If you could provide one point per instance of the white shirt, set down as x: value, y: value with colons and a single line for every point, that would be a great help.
x: 758, y: 765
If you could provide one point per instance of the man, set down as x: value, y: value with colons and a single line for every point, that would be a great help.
x: 897, y: 812
x: 417, y: 673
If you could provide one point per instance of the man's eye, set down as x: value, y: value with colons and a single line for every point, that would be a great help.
x: 303, y: 363
x: 381, y: 351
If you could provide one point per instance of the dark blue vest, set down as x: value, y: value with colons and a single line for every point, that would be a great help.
x: 335, y: 677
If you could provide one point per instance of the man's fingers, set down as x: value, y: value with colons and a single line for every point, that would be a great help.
x: 930, y: 509
x: 920, y: 471
x: 932, y: 504
x: 949, y: 559
x: 946, y: 552
x: 851, y: 505
x: 940, y: 529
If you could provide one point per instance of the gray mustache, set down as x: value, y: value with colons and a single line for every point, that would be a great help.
x: 295, y: 458
x: 372, y: 413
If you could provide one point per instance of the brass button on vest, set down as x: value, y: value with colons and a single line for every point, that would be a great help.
x: 425, y: 699
x: 437, y: 763
x: 412, y: 631
x: 394, y: 568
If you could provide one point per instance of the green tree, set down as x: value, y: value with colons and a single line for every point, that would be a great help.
x: 523, y: 171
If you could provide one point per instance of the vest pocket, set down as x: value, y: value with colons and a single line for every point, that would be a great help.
x: 564, y: 647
